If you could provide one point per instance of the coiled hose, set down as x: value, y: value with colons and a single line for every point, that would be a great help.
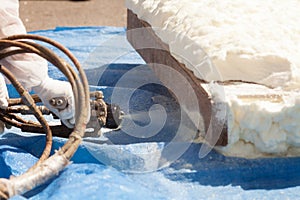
x: 46, y: 167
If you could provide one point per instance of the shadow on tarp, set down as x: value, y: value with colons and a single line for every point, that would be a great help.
x: 110, y: 74
x: 218, y: 170
x: 110, y: 79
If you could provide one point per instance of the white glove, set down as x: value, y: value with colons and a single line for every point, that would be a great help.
x: 50, y: 89
x: 3, y: 99
x: 31, y: 71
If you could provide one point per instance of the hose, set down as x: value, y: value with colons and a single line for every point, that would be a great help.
x: 46, y: 167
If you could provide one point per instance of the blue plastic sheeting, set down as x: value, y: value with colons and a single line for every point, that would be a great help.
x: 121, y: 164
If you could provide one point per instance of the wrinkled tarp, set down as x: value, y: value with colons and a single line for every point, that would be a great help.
x: 121, y: 165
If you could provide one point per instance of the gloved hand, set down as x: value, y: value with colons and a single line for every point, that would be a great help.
x: 50, y: 89
x: 31, y: 71
x: 3, y: 99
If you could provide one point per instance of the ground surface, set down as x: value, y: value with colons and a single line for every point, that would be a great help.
x: 48, y: 14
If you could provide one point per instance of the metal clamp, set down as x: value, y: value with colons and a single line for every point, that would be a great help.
x: 59, y: 103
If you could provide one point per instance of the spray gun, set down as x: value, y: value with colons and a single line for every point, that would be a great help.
x: 102, y: 115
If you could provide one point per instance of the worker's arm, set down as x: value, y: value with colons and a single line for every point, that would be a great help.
x: 31, y: 70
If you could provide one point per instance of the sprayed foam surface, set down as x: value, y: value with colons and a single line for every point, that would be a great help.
x: 254, y: 41
x: 261, y: 121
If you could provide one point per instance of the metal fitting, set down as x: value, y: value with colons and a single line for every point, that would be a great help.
x: 59, y: 103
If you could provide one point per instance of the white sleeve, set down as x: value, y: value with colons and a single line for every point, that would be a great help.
x: 29, y: 69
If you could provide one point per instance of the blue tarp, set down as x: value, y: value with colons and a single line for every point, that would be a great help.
x: 122, y: 164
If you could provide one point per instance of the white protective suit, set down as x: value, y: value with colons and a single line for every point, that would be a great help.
x: 31, y: 70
